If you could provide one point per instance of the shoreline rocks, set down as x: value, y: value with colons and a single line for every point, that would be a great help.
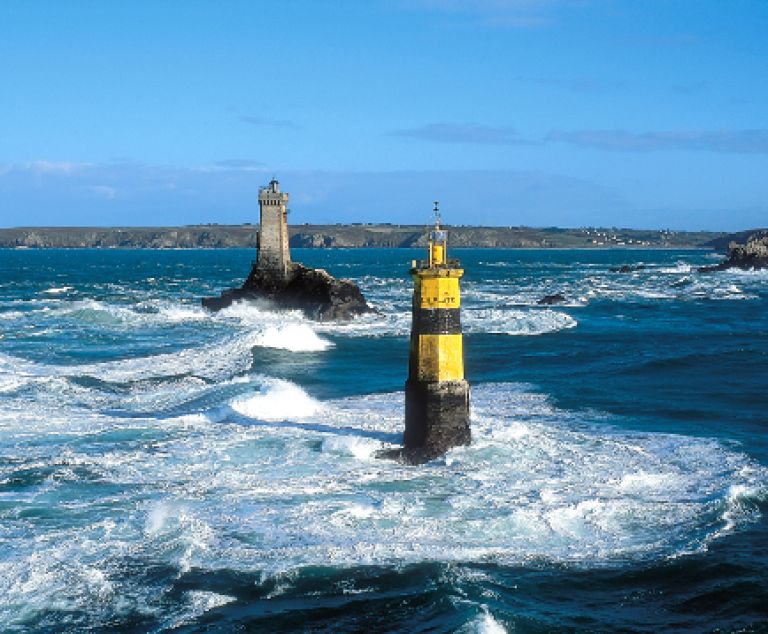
x: 751, y: 255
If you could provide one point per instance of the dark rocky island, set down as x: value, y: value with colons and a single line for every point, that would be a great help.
x: 277, y: 281
x: 753, y: 254
x: 315, y: 292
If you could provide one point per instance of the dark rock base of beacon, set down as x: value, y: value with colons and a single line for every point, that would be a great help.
x: 315, y: 292
x: 436, y: 420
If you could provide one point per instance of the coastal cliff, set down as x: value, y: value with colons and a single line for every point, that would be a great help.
x: 348, y: 236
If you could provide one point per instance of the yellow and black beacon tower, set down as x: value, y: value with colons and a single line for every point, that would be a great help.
x: 436, y: 393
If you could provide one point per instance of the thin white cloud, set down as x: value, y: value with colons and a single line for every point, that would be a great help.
x: 55, y: 167
x: 136, y: 194
x: 103, y: 191
x: 269, y: 123
x: 153, y: 195
x: 752, y: 141
x: 463, y: 133
x: 239, y: 164
x: 577, y: 84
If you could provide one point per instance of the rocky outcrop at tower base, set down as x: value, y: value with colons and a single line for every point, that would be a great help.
x: 315, y: 292
x: 436, y: 420
x: 752, y: 255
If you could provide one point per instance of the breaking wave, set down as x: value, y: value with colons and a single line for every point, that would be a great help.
x: 143, y: 442
x: 282, y: 400
x: 537, y: 483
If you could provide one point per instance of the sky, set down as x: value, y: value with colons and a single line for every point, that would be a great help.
x: 625, y: 113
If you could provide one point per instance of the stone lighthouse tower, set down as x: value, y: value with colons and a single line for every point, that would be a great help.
x: 274, y: 256
x: 286, y: 285
x: 436, y: 393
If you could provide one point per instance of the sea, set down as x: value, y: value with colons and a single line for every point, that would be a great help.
x: 166, y: 469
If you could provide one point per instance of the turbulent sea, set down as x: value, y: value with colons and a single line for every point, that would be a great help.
x: 163, y: 469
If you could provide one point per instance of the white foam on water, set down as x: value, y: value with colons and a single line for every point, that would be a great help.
x: 197, y: 603
x: 355, y: 446
x: 53, y: 575
x: 216, y: 361
x: 58, y: 290
x: 293, y: 337
x: 484, y: 623
x: 516, y: 322
x: 537, y: 483
x: 680, y: 267
x: 12, y: 315
x: 213, y: 490
x: 282, y: 400
x: 142, y: 312
x: 16, y: 373
x: 256, y: 314
x: 11, y: 383
x: 291, y: 330
x: 730, y: 292
x: 97, y: 313
x: 750, y: 274
x: 180, y: 533
x: 739, y: 493
x: 219, y: 361
x: 179, y: 313
x: 643, y: 482
x: 680, y: 281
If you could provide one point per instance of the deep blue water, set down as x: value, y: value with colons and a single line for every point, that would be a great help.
x: 163, y: 469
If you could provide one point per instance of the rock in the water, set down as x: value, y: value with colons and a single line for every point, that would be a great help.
x: 555, y: 298
x: 315, y: 292
x: 627, y: 268
x: 752, y: 255
x: 276, y: 280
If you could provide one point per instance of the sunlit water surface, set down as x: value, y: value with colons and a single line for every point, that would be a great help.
x: 162, y: 468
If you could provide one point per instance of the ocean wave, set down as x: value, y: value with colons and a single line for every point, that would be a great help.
x: 516, y: 322
x: 254, y: 313
x: 755, y: 274
x: 677, y: 269
x: 551, y: 468
x: 304, y: 488
x: 56, y: 290
x: 282, y: 400
x: 483, y: 623
x: 293, y: 337
x: 217, y: 361
x: 196, y: 603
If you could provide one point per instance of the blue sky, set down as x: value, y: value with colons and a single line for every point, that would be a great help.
x: 630, y: 113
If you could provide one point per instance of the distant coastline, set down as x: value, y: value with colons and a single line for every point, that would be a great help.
x: 354, y: 236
